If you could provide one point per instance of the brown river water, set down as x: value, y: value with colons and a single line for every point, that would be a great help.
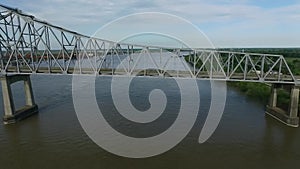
x: 54, y: 138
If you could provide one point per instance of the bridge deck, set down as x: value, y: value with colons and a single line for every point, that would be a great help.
x: 154, y: 73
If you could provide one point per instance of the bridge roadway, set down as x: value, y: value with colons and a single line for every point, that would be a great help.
x: 251, y: 77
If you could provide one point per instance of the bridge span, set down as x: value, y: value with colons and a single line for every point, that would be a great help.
x: 32, y: 46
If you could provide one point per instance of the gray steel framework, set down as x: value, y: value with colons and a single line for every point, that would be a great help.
x: 31, y: 46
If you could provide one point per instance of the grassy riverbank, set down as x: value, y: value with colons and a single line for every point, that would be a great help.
x: 261, y: 92
x: 258, y: 91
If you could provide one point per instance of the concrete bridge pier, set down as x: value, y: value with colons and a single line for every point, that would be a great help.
x: 291, y: 116
x: 11, y: 115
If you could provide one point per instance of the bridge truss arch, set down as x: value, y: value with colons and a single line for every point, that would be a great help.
x: 32, y: 46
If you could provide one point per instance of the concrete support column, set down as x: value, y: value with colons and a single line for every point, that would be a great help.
x: 294, y: 102
x: 273, y: 96
x: 8, y: 102
x: 10, y: 114
x: 28, y: 92
x: 289, y: 118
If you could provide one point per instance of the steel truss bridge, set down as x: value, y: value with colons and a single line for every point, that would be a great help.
x: 32, y: 46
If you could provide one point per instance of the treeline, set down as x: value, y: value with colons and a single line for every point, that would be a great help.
x: 294, y: 64
x: 262, y: 92
x: 286, y: 52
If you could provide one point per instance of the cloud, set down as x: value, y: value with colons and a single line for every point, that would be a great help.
x: 220, y: 19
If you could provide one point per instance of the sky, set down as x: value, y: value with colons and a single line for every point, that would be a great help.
x: 227, y: 23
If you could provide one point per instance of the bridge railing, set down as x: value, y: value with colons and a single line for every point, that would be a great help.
x: 29, y: 45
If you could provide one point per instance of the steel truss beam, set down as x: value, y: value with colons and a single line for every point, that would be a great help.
x: 32, y: 46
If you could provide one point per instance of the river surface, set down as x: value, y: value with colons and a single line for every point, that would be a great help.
x: 54, y: 139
